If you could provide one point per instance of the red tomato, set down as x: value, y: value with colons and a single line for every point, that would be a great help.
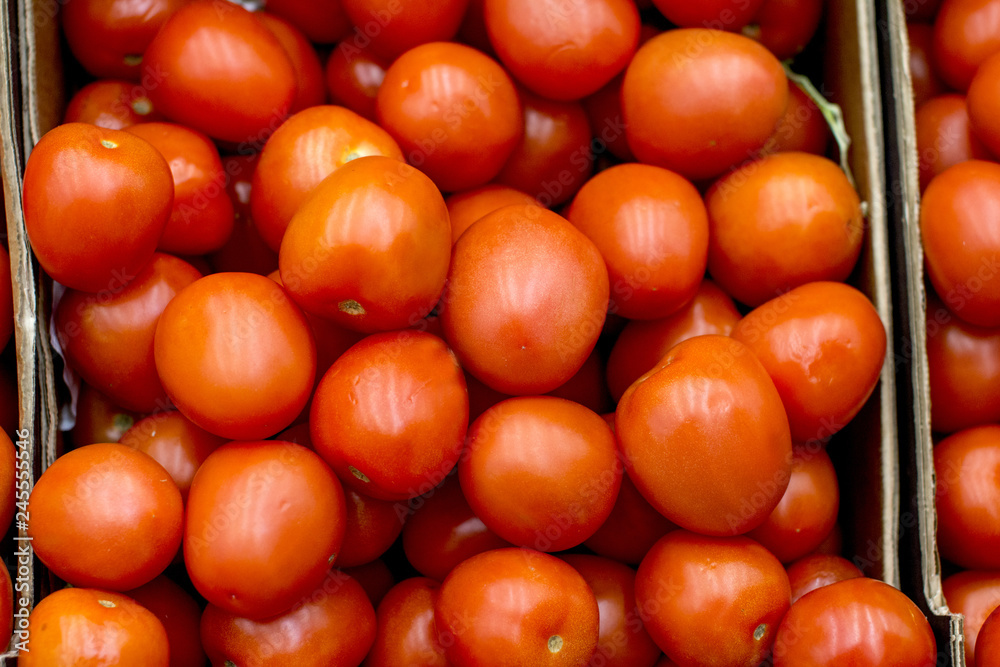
x: 920, y: 10
x: 780, y: 222
x: 700, y: 116
x: 465, y: 208
x: 264, y: 522
x: 785, y: 26
x: 588, y: 387
x: 989, y: 641
x: 95, y: 204
x: 375, y: 577
x: 394, y: 26
x: 716, y: 14
x: 180, y: 616
x: 926, y: 83
x: 217, y: 69
x: 353, y: 76
x: 966, y: 32
x: 945, y: 137
x: 623, y: 641
x: 984, y: 103
x: 407, y: 633
x: 310, y: 85
x: 80, y: 626
x: 112, y: 104
x: 105, y: 493
x: 817, y: 570
x: 861, y: 622
x: 604, y: 110
x: 98, y: 419
x: 391, y: 414
x: 518, y: 605
x: 631, y: 529
x: 652, y: 230
x: 372, y: 527
x: 526, y: 299
x: 560, y: 51
x: 705, y: 437
x: 473, y: 29
x: 246, y: 251
x: 454, y: 112
x: 322, y: 21
x: 332, y: 625
x: 711, y: 600
x: 960, y: 228
x: 803, y: 127
x: 975, y: 595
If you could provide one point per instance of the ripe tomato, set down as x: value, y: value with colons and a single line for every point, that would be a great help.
x: 526, y: 299
x: 588, y: 386
x: 454, y: 112
x: 332, y: 625
x: 711, y: 600
x: 372, y: 527
x: 926, y: 83
x: 407, y: 633
x: 652, y: 230
x: 717, y: 14
x: 515, y: 607
x: 984, y: 103
x: 780, y: 222
x: 246, y: 251
x: 802, y: 128
x: 180, y: 616
x: 785, y: 26
x: 631, y: 529
x: 920, y: 10
x: 560, y: 51
x: 966, y: 32
x: 374, y: 577
x: 322, y: 21
x: 79, y: 626
x: 861, y: 622
x: 945, y: 137
x: 307, y: 148
x: 817, y: 570
x: 353, y: 76
x: 701, y: 115
x: 101, y: 493
x: 735, y: 431
x: 95, y: 204
x: 562, y: 458
x: 975, y: 595
x: 395, y: 27
x: 960, y: 228
x: 989, y: 641
x: 264, y: 570
x: 310, y: 86
x: 218, y: 70
x: 465, y: 208
x: 98, y: 419
x: 604, y: 110
x: 112, y: 104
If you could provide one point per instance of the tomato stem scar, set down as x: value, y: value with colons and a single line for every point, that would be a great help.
x: 132, y: 59
x: 555, y: 643
x: 758, y: 634
x: 107, y: 143
x: 106, y: 603
x: 357, y: 473
x: 351, y: 307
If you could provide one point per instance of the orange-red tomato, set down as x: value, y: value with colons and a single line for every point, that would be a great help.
x: 816, y: 570
x: 465, y: 208
x: 98, y: 419
x: 984, y: 103
x: 604, y: 110
x: 353, y: 76
x: 975, y: 594
x: 372, y: 527
x: 631, y: 529
x: 785, y: 26
x: 705, y: 437
x: 966, y: 32
x: 112, y: 104
x: 310, y: 85
x: 407, y: 633
x: 246, y: 250
x: 945, y: 137
x: 926, y: 83
x: 375, y: 577
x: 989, y: 641
x: 803, y: 127
x: 180, y: 616
x: 717, y: 14
x: 322, y: 21
x: 588, y: 387
x: 394, y: 27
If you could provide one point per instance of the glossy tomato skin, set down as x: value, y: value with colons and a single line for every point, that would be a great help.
x: 220, y: 71
x: 98, y: 419
x: 407, y: 633
x: 651, y: 227
x: 961, y: 237
x: 736, y: 428
x: 926, y: 83
x: 322, y: 21
x: 77, y: 506
x: 375, y: 577
x: 339, y: 259
x: 262, y: 571
x: 307, y: 148
x: 79, y: 626
x: 562, y: 458
x: 560, y: 52
x: 780, y: 222
x: 246, y: 251
x: 700, y: 116
x: 372, y: 527
x: 802, y: 128
x: 112, y: 104
x: 511, y: 607
x: 966, y: 32
x: 975, y: 594
x: 353, y: 76
x: 631, y: 529
x: 332, y: 625
x: 453, y: 110
x: 989, y: 641
x: 860, y: 622
x: 405, y: 25
x: 711, y: 600
x: 817, y: 570
x: 95, y: 204
x: 526, y: 299
x: 180, y: 616
x: 984, y: 103
x: 310, y: 86
x: 468, y: 206
x: 391, y: 414
x: 785, y: 26
x: 945, y: 136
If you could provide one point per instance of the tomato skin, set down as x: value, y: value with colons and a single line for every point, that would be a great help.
x: 76, y: 508
x: 313, y: 633
x: 246, y: 251
x: 407, y: 633
x: 785, y: 26
x: 945, y: 136
x: 405, y: 25
x: 817, y: 570
x: 111, y: 104
x: 98, y: 419
x: 718, y: 14
x: 737, y: 429
x: 711, y: 600
x: 861, y: 622
x: 802, y: 129
x: 984, y: 103
x: 95, y: 204
x: 975, y: 594
x: 180, y: 616
x: 631, y: 529
x: 353, y: 76
x: 699, y: 117
x: 511, y: 607
x: 988, y: 641
x: 375, y: 577
x: 79, y: 626
x: 311, y: 88
x: 322, y: 21
x: 465, y: 208
x: 966, y: 32
x: 220, y: 71
x: 926, y: 83
x: 372, y: 527
x: 263, y: 571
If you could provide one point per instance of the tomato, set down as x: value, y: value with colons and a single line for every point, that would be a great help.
x: 407, y: 633
x: 9, y: 412
x: 921, y: 10
x: 372, y: 527
x: 307, y: 148
x: 642, y: 343
x: 563, y: 52
x: 515, y: 607
x: 180, y: 616
x: 465, y: 208
x: 375, y: 578
x: 526, y: 298
x: 945, y: 137
x: 803, y: 127
x: 588, y: 386
x: 823, y: 345
x: 705, y: 437
x: 785, y: 26
x: 604, y: 110
x: 109, y: 37
x: 975, y: 595
x: 631, y: 529
x: 817, y: 570
x: 95, y: 204
x: 966, y: 32
x: 454, y: 112
x: 353, y: 76
x: 780, y: 222
x: 711, y: 600
x: 861, y: 622
x: 101, y: 494
x: 245, y: 251
x: 217, y: 69
x: 717, y: 14
x: 926, y: 83
x: 264, y: 570
x: 332, y: 625
x: 833, y: 544
x: 623, y: 641
x: 989, y: 636
x: 473, y: 29
x: 395, y: 27
x: 651, y: 227
x: 322, y: 21
x: 98, y: 419
x: 701, y: 115
x: 79, y: 626
x: 562, y: 458
x: 961, y: 238
x: 112, y: 104
x: 310, y: 85
x: 984, y: 103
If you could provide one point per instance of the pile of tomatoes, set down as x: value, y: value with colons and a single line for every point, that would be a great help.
x: 552, y: 289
